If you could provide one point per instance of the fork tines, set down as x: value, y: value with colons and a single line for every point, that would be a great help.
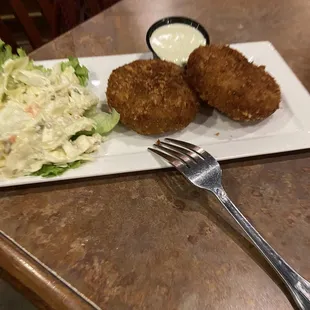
x: 179, y: 153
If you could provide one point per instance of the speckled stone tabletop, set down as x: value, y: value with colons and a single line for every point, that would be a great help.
x: 150, y: 240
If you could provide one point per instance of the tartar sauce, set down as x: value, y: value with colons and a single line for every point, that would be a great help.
x: 175, y: 42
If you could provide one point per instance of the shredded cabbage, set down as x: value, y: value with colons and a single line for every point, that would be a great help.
x: 50, y: 122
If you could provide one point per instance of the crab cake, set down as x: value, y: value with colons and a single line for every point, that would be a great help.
x: 152, y: 97
x: 225, y: 79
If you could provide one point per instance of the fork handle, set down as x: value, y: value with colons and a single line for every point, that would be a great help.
x: 298, y: 286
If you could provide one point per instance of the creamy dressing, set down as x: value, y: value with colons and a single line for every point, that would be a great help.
x: 175, y: 42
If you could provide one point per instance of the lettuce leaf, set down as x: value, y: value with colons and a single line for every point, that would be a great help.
x: 80, y: 71
x: 104, y: 122
x: 32, y: 66
x: 6, y: 54
x: 51, y: 170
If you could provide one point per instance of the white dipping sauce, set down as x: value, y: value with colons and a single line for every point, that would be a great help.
x: 175, y: 42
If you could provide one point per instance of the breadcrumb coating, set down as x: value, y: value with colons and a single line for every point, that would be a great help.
x: 227, y: 81
x: 152, y: 97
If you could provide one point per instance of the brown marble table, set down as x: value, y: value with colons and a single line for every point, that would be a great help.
x: 150, y: 240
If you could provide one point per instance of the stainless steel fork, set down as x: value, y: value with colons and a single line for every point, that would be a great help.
x: 202, y: 169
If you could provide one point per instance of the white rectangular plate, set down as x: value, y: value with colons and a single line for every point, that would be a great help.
x: 125, y: 151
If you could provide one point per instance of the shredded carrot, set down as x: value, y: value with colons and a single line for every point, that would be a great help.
x: 29, y: 109
x: 32, y: 109
x: 12, y: 139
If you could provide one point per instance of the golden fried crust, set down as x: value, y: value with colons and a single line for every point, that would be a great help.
x: 225, y: 79
x: 152, y: 96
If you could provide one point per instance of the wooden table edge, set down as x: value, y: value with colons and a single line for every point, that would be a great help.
x: 53, y: 290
